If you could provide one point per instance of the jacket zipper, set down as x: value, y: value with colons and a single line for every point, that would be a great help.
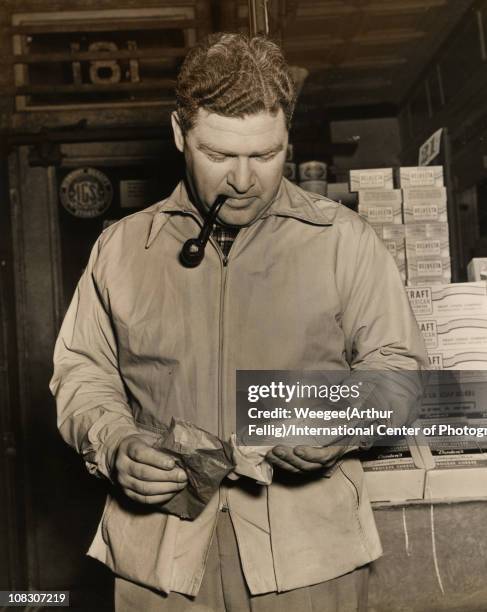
x: 221, y: 418
x: 223, y: 272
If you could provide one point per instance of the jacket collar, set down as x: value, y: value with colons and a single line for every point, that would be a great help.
x: 290, y: 201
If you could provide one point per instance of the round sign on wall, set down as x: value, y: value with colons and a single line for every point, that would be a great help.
x: 86, y: 193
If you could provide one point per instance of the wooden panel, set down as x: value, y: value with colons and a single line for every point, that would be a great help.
x: 462, y: 57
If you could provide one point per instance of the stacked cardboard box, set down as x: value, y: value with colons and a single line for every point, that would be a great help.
x: 397, y: 473
x: 428, y: 253
x: 376, y: 178
x: 453, y: 320
x: 381, y: 205
x: 393, y: 237
x: 460, y: 461
x: 426, y: 220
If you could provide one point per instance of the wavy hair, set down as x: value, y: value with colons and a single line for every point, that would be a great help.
x: 234, y: 75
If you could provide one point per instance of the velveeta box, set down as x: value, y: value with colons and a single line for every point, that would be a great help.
x: 453, y: 300
x: 393, y: 238
x: 421, y: 176
x: 381, y: 206
x: 379, y: 178
x: 431, y: 271
x: 428, y: 253
x: 427, y: 240
x: 381, y: 197
x: 424, y: 204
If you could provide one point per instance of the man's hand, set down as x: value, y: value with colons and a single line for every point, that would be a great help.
x: 145, y: 474
x: 306, y: 458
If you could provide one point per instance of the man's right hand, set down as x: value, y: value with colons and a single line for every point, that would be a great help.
x: 145, y: 474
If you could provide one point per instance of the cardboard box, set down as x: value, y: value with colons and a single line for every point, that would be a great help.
x: 455, y: 395
x: 428, y: 271
x: 454, y: 334
x: 428, y: 253
x: 393, y: 238
x: 427, y: 240
x: 453, y: 300
x: 381, y: 206
x: 467, y: 482
x: 377, y: 178
x: 477, y: 269
x: 397, y: 473
x: 460, y: 470
x: 380, y: 197
x: 460, y: 359
x: 420, y: 176
x: 426, y: 204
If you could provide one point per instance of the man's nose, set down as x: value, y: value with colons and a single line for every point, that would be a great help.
x: 241, y: 177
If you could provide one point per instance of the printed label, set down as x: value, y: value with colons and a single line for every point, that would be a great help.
x: 424, y: 248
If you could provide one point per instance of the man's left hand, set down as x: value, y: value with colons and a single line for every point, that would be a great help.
x: 306, y: 458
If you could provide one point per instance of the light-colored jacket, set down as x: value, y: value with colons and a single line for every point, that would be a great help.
x: 308, y: 286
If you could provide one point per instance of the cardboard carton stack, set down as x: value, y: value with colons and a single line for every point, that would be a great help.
x: 397, y: 473
x: 381, y: 205
x: 426, y: 221
x: 453, y: 320
x: 417, y: 207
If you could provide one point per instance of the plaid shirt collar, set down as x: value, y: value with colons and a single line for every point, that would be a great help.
x: 224, y: 236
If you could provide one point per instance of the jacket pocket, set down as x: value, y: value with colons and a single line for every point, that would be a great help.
x: 140, y: 542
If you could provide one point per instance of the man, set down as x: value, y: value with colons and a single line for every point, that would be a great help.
x: 289, y: 281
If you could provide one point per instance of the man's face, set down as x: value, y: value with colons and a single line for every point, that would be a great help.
x: 240, y: 158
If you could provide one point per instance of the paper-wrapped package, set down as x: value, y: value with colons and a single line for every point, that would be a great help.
x: 206, y: 461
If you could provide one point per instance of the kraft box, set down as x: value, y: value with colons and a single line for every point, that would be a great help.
x: 425, y: 204
x: 460, y: 471
x: 461, y: 359
x: 377, y: 178
x: 420, y: 176
x: 397, y: 473
x: 454, y: 334
x: 457, y: 395
x: 451, y: 300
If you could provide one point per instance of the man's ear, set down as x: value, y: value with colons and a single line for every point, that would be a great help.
x: 177, y: 131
